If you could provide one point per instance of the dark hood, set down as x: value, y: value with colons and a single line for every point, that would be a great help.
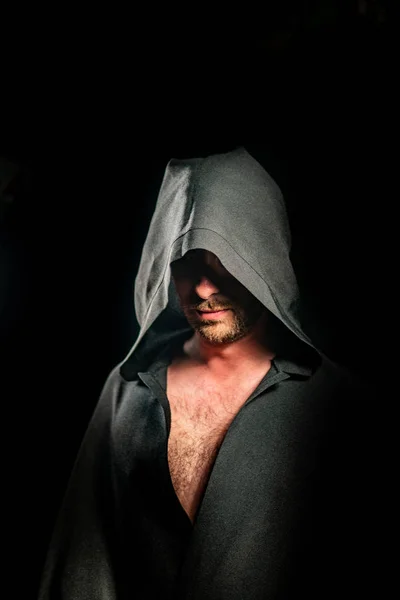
x: 227, y: 204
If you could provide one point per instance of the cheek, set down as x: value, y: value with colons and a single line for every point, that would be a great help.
x: 240, y: 297
x: 182, y: 287
x: 248, y: 304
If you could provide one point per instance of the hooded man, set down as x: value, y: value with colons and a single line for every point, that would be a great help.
x: 221, y: 461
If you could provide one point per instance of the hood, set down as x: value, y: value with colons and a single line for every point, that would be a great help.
x: 227, y: 204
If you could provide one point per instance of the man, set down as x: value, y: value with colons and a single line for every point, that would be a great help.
x: 220, y: 460
x: 217, y: 370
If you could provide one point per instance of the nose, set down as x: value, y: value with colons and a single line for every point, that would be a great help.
x: 205, y: 288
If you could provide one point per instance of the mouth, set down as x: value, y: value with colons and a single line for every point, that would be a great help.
x: 205, y: 314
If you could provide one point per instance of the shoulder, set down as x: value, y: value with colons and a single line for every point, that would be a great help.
x: 342, y: 376
x: 115, y: 392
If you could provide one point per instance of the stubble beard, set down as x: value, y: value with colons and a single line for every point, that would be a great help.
x: 226, y: 330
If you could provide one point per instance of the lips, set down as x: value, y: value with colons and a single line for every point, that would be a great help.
x: 206, y: 314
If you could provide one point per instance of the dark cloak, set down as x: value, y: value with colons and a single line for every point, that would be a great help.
x: 288, y: 509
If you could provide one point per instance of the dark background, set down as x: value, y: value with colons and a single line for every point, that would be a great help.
x: 92, y: 110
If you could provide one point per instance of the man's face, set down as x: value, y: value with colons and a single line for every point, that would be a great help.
x: 204, y: 285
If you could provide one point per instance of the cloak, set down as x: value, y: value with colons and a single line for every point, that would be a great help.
x: 288, y: 509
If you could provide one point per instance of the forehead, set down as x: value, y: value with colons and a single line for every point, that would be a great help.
x: 204, y: 255
x: 200, y: 258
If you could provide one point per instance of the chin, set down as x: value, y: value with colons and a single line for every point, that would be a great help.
x: 214, y: 335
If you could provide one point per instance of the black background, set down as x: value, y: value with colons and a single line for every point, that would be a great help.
x: 92, y: 110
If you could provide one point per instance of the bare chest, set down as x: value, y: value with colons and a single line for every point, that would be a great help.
x: 200, y: 417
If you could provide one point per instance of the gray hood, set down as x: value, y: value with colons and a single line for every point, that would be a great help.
x: 227, y: 204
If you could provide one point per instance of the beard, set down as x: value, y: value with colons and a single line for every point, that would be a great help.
x: 230, y: 328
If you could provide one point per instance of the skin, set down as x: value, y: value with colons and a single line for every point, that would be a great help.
x: 234, y: 342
